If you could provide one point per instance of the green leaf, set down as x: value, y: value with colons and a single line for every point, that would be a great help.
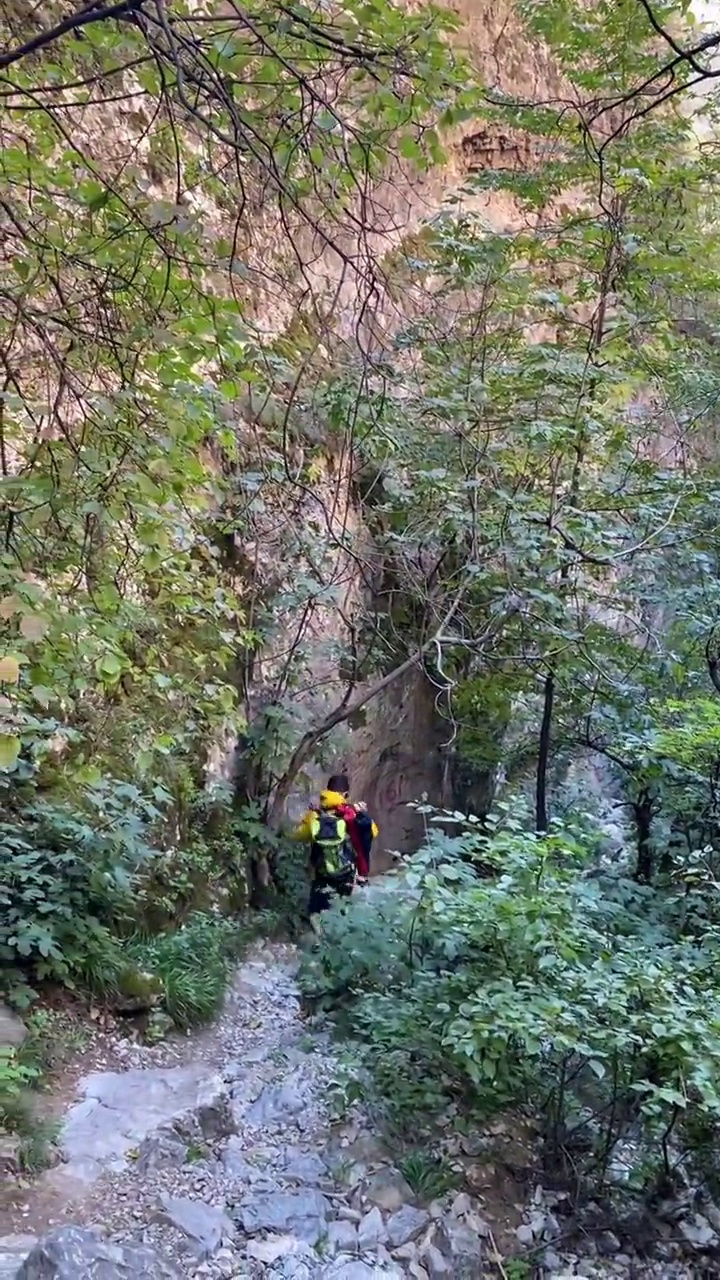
x: 110, y: 666
x: 33, y: 626
x: 10, y: 747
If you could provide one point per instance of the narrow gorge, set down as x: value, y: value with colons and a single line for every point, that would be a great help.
x: 358, y: 413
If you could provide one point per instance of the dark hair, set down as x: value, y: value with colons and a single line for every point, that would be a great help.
x: 339, y: 782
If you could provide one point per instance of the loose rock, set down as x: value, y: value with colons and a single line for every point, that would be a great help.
x: 302, y: 1213
x: 348, y: 1269
x: 163, y: 1150
x: 307, y: 1168
x: 406, y: 1224
x: 203, y: 1224
x: 275, y: 1247
x: 342, y: 1237
x: 437, y: 1266
x: 389, y: 1190
x: 278, y: 1103
x: 372, y: 1230
x: 462, y: 1248
x: 698, y: 1232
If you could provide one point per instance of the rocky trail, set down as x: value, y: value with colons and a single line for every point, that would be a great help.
x: 219, y: 1156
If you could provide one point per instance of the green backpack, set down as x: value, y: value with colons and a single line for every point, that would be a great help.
x: 332, y: 854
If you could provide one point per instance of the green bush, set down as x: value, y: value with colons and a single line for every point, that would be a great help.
x: 206, y: 863
x: 81, y: 880
x: 537, y: 986
x: 16, y: 1079
x: 67, y: 887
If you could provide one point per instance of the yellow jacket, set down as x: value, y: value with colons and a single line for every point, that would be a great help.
x: 328, y: 800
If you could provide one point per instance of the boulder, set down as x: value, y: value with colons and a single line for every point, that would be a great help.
x: 301, y: 1213
x: 10, y: 1154
x: 72, y: 1252
x: 12, y: 1028
x: 214, y: 1111
x: 204, y: 1225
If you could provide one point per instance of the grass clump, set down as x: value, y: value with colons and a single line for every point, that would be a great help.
x: 193, y: 965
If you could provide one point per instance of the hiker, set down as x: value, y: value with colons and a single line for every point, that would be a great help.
x: 340, y: 836
x: 361, y: 828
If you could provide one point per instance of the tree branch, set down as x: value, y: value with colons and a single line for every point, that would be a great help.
x: 343, y: 712
x: 75, y: 22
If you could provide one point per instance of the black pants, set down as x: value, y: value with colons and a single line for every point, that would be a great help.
x: 322, y: 892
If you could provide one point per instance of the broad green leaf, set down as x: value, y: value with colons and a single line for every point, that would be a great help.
x: 10, y: 747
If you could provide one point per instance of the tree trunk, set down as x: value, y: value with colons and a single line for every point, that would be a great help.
x: 643, y: 814
x: 541, y: 813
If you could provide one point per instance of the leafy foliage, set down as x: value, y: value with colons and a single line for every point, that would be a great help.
x: 68, y: 885
x: 545, y: 985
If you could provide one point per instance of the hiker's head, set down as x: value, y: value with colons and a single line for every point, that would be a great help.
x: 336, y: 792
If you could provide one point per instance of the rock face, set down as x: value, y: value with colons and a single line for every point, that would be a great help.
x: 75, y: 1254
x: 121, y: 1110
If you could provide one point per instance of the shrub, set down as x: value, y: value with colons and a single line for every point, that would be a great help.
x: 536, y: 986
x: 67, y: 886
x: 365, y: 948
x: 57, y: 898
x: 16, y: 1078
x: 81, y: 879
